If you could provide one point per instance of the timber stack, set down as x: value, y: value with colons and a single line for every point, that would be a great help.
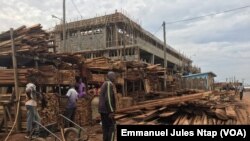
x: 138, y: 79
x: 32, y: 45
x: 204, y: 108
x: 32, y: 39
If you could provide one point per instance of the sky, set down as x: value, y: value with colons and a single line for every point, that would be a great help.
x: 218, y: 43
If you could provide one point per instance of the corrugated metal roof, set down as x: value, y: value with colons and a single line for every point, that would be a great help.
x: 200, y: 74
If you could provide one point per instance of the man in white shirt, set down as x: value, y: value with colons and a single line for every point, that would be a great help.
x: 71, y: 106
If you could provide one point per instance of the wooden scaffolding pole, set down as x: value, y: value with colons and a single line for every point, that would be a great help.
x: 15, y: 77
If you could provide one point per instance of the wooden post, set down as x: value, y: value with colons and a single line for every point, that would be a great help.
x: 15, y: 76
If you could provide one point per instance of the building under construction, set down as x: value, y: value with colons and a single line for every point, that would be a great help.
x: 118, y: 37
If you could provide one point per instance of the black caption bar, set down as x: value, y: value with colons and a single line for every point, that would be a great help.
x: 202, y: 132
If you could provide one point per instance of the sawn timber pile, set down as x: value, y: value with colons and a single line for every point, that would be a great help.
x: 205, y: 108
x: 31, y: 39
x: 43, y: 75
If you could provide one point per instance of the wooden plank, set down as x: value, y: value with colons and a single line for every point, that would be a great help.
x: 165, y: 102
x: 167, y: 114
x: 147, y: 115
x: 230, y: 112
x: 183, y: 120
x: 176, y: 122
x: 119, y: 116
x: 221, y: 114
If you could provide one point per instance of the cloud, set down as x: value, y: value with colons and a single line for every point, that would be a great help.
x: 224, y: 59
x: 217, y: 43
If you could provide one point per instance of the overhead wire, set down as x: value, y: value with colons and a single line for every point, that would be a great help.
x: 199, y: 17
x: 78, y: 11
x: 156, y: 31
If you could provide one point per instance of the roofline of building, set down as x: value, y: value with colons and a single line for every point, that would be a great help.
x: 197, y: 74
x: 115, y: 18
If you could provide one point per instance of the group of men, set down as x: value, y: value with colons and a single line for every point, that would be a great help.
x: 107, y: 105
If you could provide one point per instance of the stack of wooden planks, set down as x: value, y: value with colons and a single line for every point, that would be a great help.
x: 7, y: 76
x: 100, y: 78
x: 204, y: 108
x: 157, y: 68
x: 31, y: 39
x: 43, y: 75
x: 134, y: 74
x: 103, y: 63
x: 49, y: 114
x: 213, y: 111
x: 50, y: 75
x: 83, y: 112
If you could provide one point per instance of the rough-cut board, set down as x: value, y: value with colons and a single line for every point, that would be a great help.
x: 165, y: 102
x: 146, y: 116
x: 230, y: 112
x: 241, y: 116
x: 221, y: 114
x: 119, y: 116
x: 167, y: 114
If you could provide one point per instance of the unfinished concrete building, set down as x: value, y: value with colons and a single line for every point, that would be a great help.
x: 118, y: 37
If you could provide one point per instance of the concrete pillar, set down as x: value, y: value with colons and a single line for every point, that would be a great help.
x: 152, y: 61
x: 78, y: 41
x: 116, y: 39
x: 105, y: 36
x: 137, y: 54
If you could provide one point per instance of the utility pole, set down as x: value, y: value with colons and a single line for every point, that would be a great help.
x: 165, y: 51
x: 124, y: 42
x: 64, y: 29
x: 15, y: 77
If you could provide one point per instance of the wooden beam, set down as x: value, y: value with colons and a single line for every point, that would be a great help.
x: 166, y: 101
x: 15, y: 77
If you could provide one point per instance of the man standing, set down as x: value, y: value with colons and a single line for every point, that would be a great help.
x: 241, y: 89
x: 81, y: 88
x: 107, y: 107
x: 31, y: 106
x: 71, y: 106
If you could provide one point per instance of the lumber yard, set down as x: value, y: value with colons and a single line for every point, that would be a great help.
x: 151, y: 89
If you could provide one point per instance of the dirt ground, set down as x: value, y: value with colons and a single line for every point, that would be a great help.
x: 246, y: 101
x: 95, y: 132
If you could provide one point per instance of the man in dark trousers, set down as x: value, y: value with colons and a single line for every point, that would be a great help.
x: 241, y: 90
x: 71, y: 106
x: 107, y: 107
